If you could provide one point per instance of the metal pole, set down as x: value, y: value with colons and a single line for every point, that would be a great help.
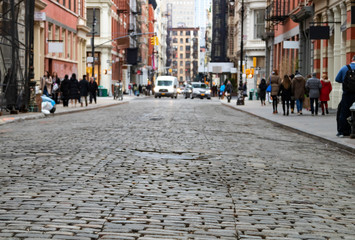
x: 241, y: 53
x: 93, y: 44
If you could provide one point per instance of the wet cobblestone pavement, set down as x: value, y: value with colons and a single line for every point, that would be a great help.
x: 171, y: 169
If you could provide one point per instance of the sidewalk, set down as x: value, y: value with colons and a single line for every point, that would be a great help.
x: 101, y: 103
x: 322, y: 127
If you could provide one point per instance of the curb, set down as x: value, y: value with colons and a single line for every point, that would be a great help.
x: 90, y: 109
x: 296, y: 130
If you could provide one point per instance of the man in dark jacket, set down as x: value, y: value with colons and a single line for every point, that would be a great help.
x: 93, y: 88
x: 313, y: 85
x: 65, y: 89
x: 84, y: 90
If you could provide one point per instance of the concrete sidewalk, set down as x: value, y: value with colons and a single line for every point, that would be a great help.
x: 101, y: 103
x: 322, y: 127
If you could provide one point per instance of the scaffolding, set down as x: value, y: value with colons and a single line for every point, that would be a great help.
x: 16, y: 54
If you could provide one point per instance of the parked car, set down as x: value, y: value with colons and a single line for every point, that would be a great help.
x: 200, y: 90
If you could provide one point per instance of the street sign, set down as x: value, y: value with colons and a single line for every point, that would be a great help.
x: 90, y: 59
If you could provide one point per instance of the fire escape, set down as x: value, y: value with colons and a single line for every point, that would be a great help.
x: 16, y: 54
x: 276, y: 12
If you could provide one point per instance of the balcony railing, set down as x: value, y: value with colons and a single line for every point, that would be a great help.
x: 277, y: 11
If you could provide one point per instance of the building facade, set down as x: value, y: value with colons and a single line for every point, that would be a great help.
x: 293, y: 41
x: 60, y: 38
x: 185, y: 53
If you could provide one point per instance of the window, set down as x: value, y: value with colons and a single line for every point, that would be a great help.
x: 181, y: 71
x: 187, y: 40
x: 69, y: 4
x: 175, y: 40
x: 175, y: 33
x: 181, y: 40
x: 181, y: 63
x: 50, y: 31
x: 188, y: 48
x: 181, y: 55
x: 64, y: 42
x: 187, y: 55
x: 90, y: 16
x: 181, y: 48
x: 181, y: 33
x: 259, y: 22
x: 187, y: 33
x: 69, y: 44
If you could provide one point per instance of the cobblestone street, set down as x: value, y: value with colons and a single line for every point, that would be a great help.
x: 171, y: 169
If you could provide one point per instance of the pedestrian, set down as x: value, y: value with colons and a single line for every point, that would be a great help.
x: 74, y: 93
x: 275, y: 82
x: 55, y: 87
x: 292, y: 102
x: 313, y: 85
x: 93, y: 88
x: 346, y: 76
x: 285, y: 92
x: 84, y: 90
x: 307, y: 101
x: 262, y: 91
x: 298, y: 87
x: 325, y: 92
x: 65, y: 90
x: 222, y: 88
x: 130, y: 89
x: 245, y: 90
x: 135, y: 89
x: 46, y: 84
x: 140, y: 89
x: 268, y: 93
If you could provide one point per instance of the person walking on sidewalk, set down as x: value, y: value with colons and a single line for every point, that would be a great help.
x: 262, y: 91
x: 324, y: 93
x: 74, y: 90
x: 313, y: 85
x: 46, y: 84
x: 65, y: 90
x: 292, y: 102
x: 275, y: 82
x: 84, y: 90
x: 55, y: 87
x: 346, y: 76
x: 285, y: 92
x: 221, y: 91
x: 298, y: 87
x: 93, y: 88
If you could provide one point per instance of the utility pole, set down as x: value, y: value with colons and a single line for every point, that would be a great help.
x: 241, y: 57
x: 93, y: 44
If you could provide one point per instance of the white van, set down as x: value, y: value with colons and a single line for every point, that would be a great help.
x: 166, y: 86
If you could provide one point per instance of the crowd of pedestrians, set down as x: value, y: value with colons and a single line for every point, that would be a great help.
x: 311, y: 92
x: 69, y: 91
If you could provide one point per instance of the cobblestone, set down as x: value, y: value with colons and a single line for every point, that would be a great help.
x: 166, y: 169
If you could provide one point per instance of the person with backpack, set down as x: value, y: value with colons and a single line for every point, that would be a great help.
x: 346, y: 76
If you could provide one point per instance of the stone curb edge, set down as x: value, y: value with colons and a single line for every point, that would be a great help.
x: 326, y: 140
x: 42, y: 115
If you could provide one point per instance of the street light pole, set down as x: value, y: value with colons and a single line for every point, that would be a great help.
x: 93, y: 45
x: 241, y: 97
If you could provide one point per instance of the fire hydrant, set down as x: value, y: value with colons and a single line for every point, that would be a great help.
x: 351, y: 121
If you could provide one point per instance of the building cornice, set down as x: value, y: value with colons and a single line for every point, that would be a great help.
x: 40, y: 5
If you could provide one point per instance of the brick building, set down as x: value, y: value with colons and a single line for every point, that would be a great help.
x: 59, y: 37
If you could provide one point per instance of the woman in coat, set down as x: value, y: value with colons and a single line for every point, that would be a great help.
x: 55, y: 87
x: 285, y: 92
x: 324, y: 93
x: 275, y: 82
x: 46, y: 84
x: 262, y: 91
x: 299, y: 89
x: 74, y: 93
x: 65, y: 90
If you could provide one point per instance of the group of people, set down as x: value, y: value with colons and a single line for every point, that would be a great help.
x: 135, y: 89
x: 67, y: 89
x: 294, y: 89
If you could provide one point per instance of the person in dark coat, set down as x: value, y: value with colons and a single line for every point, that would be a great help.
x: 84, y: 90
x: 262, y: 91
x: 285, y: 92
x: 93, y: 88
x: 65, y: 90
x: 292, y: 97
x: 313, y: 85
x: 275, y: 82
x: 74, y: 93
x: 298, y: 91
x: 55, y: 92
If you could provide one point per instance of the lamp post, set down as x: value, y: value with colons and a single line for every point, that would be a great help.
x: 241, y: 97
x: 93, y: 44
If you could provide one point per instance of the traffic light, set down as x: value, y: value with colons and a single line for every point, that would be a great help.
x: 152, y: 41
x: 156, y: 41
